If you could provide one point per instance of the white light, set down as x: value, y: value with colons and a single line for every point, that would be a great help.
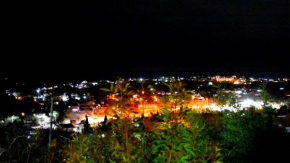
x: 64, y: 98
x: 210, y: 83
x: 277, y: 106
x: 38, y: 90
x: 141, y: 79
x: 103, y: 135
x: 281, y: 88
x: 75, y: 109
x: 247, y: 103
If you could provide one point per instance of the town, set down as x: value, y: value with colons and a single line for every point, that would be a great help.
x: 67, y: 108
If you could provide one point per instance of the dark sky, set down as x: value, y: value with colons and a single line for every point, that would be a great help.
x: 80, y: 39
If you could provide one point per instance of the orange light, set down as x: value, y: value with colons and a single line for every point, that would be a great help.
x: 112, y: 96
x: 22, y: 114
x: 155, y: 98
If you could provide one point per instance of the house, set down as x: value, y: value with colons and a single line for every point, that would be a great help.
x: 284, y: 122
x: 66, y: 127
x: 287, y: 129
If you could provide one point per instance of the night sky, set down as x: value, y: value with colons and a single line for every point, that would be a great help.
x: 90, y: 39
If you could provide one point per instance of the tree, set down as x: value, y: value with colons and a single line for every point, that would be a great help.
x: 62, y: 107
x: 265, y: 96
x: 87, y: 126
x: 223, y: 98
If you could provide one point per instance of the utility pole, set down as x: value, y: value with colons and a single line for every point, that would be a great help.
x: 50, y: 129
x: 143, y: 100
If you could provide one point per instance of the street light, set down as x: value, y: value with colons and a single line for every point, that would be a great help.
x: 38, y: 90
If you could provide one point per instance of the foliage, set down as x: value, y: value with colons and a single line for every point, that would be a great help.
x: 179, y: 137
x: 178, y: 93
x: 121, y: 141
x: 221, y: 97
x: 172, y: 136
x: 24, y: 147
x: 175, y: 136
x: 123, y: 91
x: 183, y: 141
x: 242, y: 131
x: 116, y: 143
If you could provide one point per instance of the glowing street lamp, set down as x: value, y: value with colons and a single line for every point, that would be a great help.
x: 38, y: 91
